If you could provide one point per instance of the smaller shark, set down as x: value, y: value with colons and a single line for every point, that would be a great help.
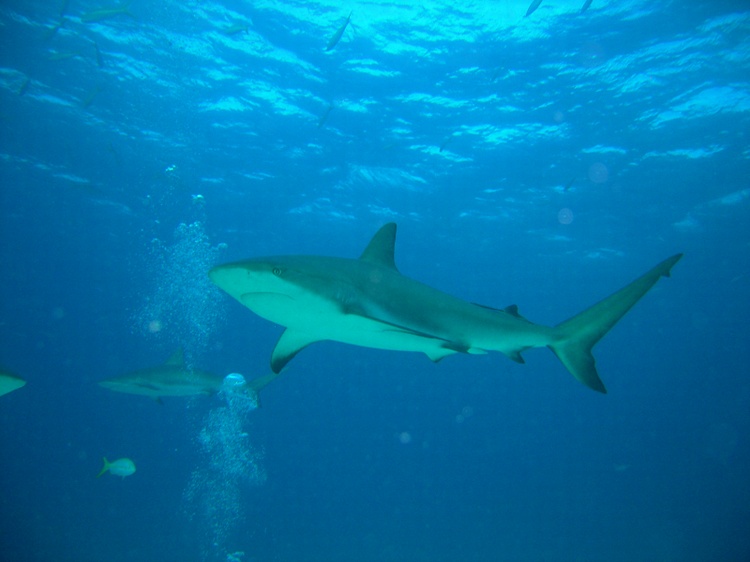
x: 173, y: 378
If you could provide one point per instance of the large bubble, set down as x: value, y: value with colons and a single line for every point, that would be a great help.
x: 230, y: 464
x: 184, y: 307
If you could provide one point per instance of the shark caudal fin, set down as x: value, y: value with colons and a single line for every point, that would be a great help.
x: 574, y: 338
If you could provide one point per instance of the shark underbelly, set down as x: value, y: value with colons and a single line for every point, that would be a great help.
x: 455, y: 327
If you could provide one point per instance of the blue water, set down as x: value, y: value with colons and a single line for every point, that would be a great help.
x: 543, y: 161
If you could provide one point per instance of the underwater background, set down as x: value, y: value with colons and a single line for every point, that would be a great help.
x: 542, y: 160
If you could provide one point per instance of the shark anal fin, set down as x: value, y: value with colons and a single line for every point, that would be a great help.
x: 439, y: 353
x: 516, y: 356
x: 290, y: 344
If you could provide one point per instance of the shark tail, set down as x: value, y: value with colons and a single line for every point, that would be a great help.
x: 105, y: 468
x: 573, y: 340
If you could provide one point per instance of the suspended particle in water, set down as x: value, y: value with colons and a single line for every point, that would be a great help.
x: 598, y: 172
x: 154, y: 326
x: 404, y: 437
x: 565, y: 216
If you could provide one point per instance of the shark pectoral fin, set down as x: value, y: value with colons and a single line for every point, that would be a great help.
x: 290, y: 344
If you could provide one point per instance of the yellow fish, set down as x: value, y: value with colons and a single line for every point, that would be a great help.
x: 121, y: 467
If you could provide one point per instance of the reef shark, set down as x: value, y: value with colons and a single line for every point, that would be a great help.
x: 174, y: 378
x: 368, y: 302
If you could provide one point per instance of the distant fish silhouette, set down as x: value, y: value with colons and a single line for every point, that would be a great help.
x: 324, y: 117
x: 107, y: 13
x: 24, y: 86
x: 50, y: 33
x: 235, y: 28
x: 64, y: 55
x: 532, y: 7
x: 339, y: 33
x: 99, y: 58
x: 445, y: 143
x: 586, y: 5
x: 89, y: 99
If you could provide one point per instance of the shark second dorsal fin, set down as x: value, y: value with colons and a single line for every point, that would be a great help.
x: 380, y: 249
x: 177, y: 358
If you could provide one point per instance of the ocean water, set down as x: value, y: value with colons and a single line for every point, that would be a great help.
x: 542, y: 160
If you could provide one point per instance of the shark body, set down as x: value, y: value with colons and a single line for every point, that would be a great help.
x: 174, y: 378
x: 368, y: 302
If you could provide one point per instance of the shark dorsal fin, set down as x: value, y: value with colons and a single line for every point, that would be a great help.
x: 177, y: 358
x: 380, y: 249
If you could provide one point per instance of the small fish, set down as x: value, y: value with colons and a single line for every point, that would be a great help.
x: 532, y: 7
x: 24, y: 86
x: 9, y: 382
x: 324, y: 117
x: 99, y: 58
x: 50, y: 33
x: 64, y: 56
x: 107, y: 13
x: 340, y: 32
x: 121, y: 467
x: 445, y: 143
x: 569, y: 184
x: 235, y: 28
x: 89, y: 99
x: 586, y: 5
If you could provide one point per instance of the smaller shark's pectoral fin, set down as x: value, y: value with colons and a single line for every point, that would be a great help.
x: 290, y: 344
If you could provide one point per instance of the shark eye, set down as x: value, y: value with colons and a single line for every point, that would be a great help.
x: 277, y: 271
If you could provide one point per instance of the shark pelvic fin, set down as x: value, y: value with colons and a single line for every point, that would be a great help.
x: 574, y: 338
x: 177, y: 358
x: 380, y: 250
x: 290, y: 344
